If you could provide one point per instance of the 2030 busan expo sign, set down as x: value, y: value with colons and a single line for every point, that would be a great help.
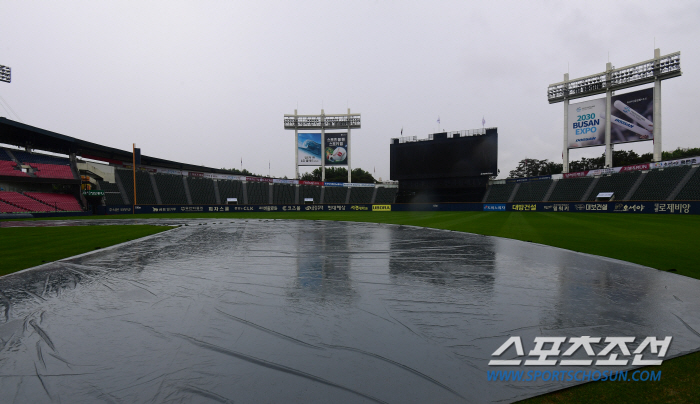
x: 586, y: 126
x: 631, y: 119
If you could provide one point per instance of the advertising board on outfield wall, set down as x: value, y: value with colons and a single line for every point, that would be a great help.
x: 640, y: 207
x: 631, y: 119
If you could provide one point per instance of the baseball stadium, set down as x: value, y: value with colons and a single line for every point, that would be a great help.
x: 130, y: 277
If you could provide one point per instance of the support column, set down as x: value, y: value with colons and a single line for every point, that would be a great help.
x: 323, y: 145
x: 349, y: 154
x: 296, y: 146
x: 565, y: 152
x: 657, y: 106
x: 608, y: 114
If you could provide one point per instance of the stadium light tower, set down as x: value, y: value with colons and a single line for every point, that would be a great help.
x: 322, y: 122
x: 650, y: 71
x: 5, y: 74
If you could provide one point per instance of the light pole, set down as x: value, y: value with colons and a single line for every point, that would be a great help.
x: 5, y: 74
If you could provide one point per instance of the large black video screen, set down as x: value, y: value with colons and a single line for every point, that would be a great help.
x: 445, y: 157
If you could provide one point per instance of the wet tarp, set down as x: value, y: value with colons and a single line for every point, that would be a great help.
x: 252, y: 311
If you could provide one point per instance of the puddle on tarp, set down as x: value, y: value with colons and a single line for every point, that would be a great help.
x: 251, y: 311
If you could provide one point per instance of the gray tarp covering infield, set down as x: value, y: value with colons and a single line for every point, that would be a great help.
x: 253, y: 311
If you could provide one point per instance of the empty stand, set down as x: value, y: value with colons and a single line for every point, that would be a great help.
x: 10, y: 168
x: 4, y: 156
x: 22, y: 201
x: 335, y: 195
x: 258, y: 193
x: 361, y: 195
x: 26, y: 157
x: 43, y: 166
x: 620, y: 184
x: 658, y: 184
x: 112, y: 194
x: 230, y: 189
x: 500, y: 192
x: 144, y: 189
x: 171, y: 189
x: 7, y: 208
x: 63, y: 202
x: 201, y: 190
x: 570, y: 190
x: 310, y: 191
x: 691, y: 190
x: 532, y: 191
x: 52, y: 171
x: 385, y: 195
x: 283, y: 193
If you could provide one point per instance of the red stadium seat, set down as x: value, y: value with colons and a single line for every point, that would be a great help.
x: 24, y: 202
x: 61, y: 201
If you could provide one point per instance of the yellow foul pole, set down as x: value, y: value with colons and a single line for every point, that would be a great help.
x: 133, y: 167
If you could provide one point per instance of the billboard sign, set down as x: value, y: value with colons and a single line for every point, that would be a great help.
x: 309, y: 145
x: 586, y: 126
x: 631, y: 120
x: 632, y: 116
x: 336, y: 153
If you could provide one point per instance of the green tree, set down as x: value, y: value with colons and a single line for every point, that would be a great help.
x: 535, y: 167
x: 681, y: 153
x: 587, y: 164
x: 236, y: 171
x: 339, y: 174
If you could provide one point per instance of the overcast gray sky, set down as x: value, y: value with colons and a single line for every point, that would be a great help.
x: 208, y: 82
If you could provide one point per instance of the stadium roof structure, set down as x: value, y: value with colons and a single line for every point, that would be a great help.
x: 22, y: 135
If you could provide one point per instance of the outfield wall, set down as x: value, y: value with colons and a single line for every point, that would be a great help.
x: 660, y: 207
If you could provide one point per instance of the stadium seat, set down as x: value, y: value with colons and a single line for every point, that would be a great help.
x: 691, y: 190
x: 532, y: 191
x: 7, y: 208
x: 570, y: 189
x: 202, y: 191
x: 39, y: 158
x: 361, y: 195
x: 144, y: 188
x: 658, y: 184
x: 52, y: 171
x: 500, y: 192
x: 62, y: 202
x: 4, y: 156
x: 310, y: 191
x: 620, y: 184
x: 230, y: 189
x: 171, y: 189
x: 10, y: 168
x: 112, y: 194
x: 283, y: 193
x: 258, y: 193
x: 385, y: 195
x: 22, y: 201
x: 335, y: 195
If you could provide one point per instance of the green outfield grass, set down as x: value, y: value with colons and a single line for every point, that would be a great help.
x: 664, y: 242
x: 25, y: 247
